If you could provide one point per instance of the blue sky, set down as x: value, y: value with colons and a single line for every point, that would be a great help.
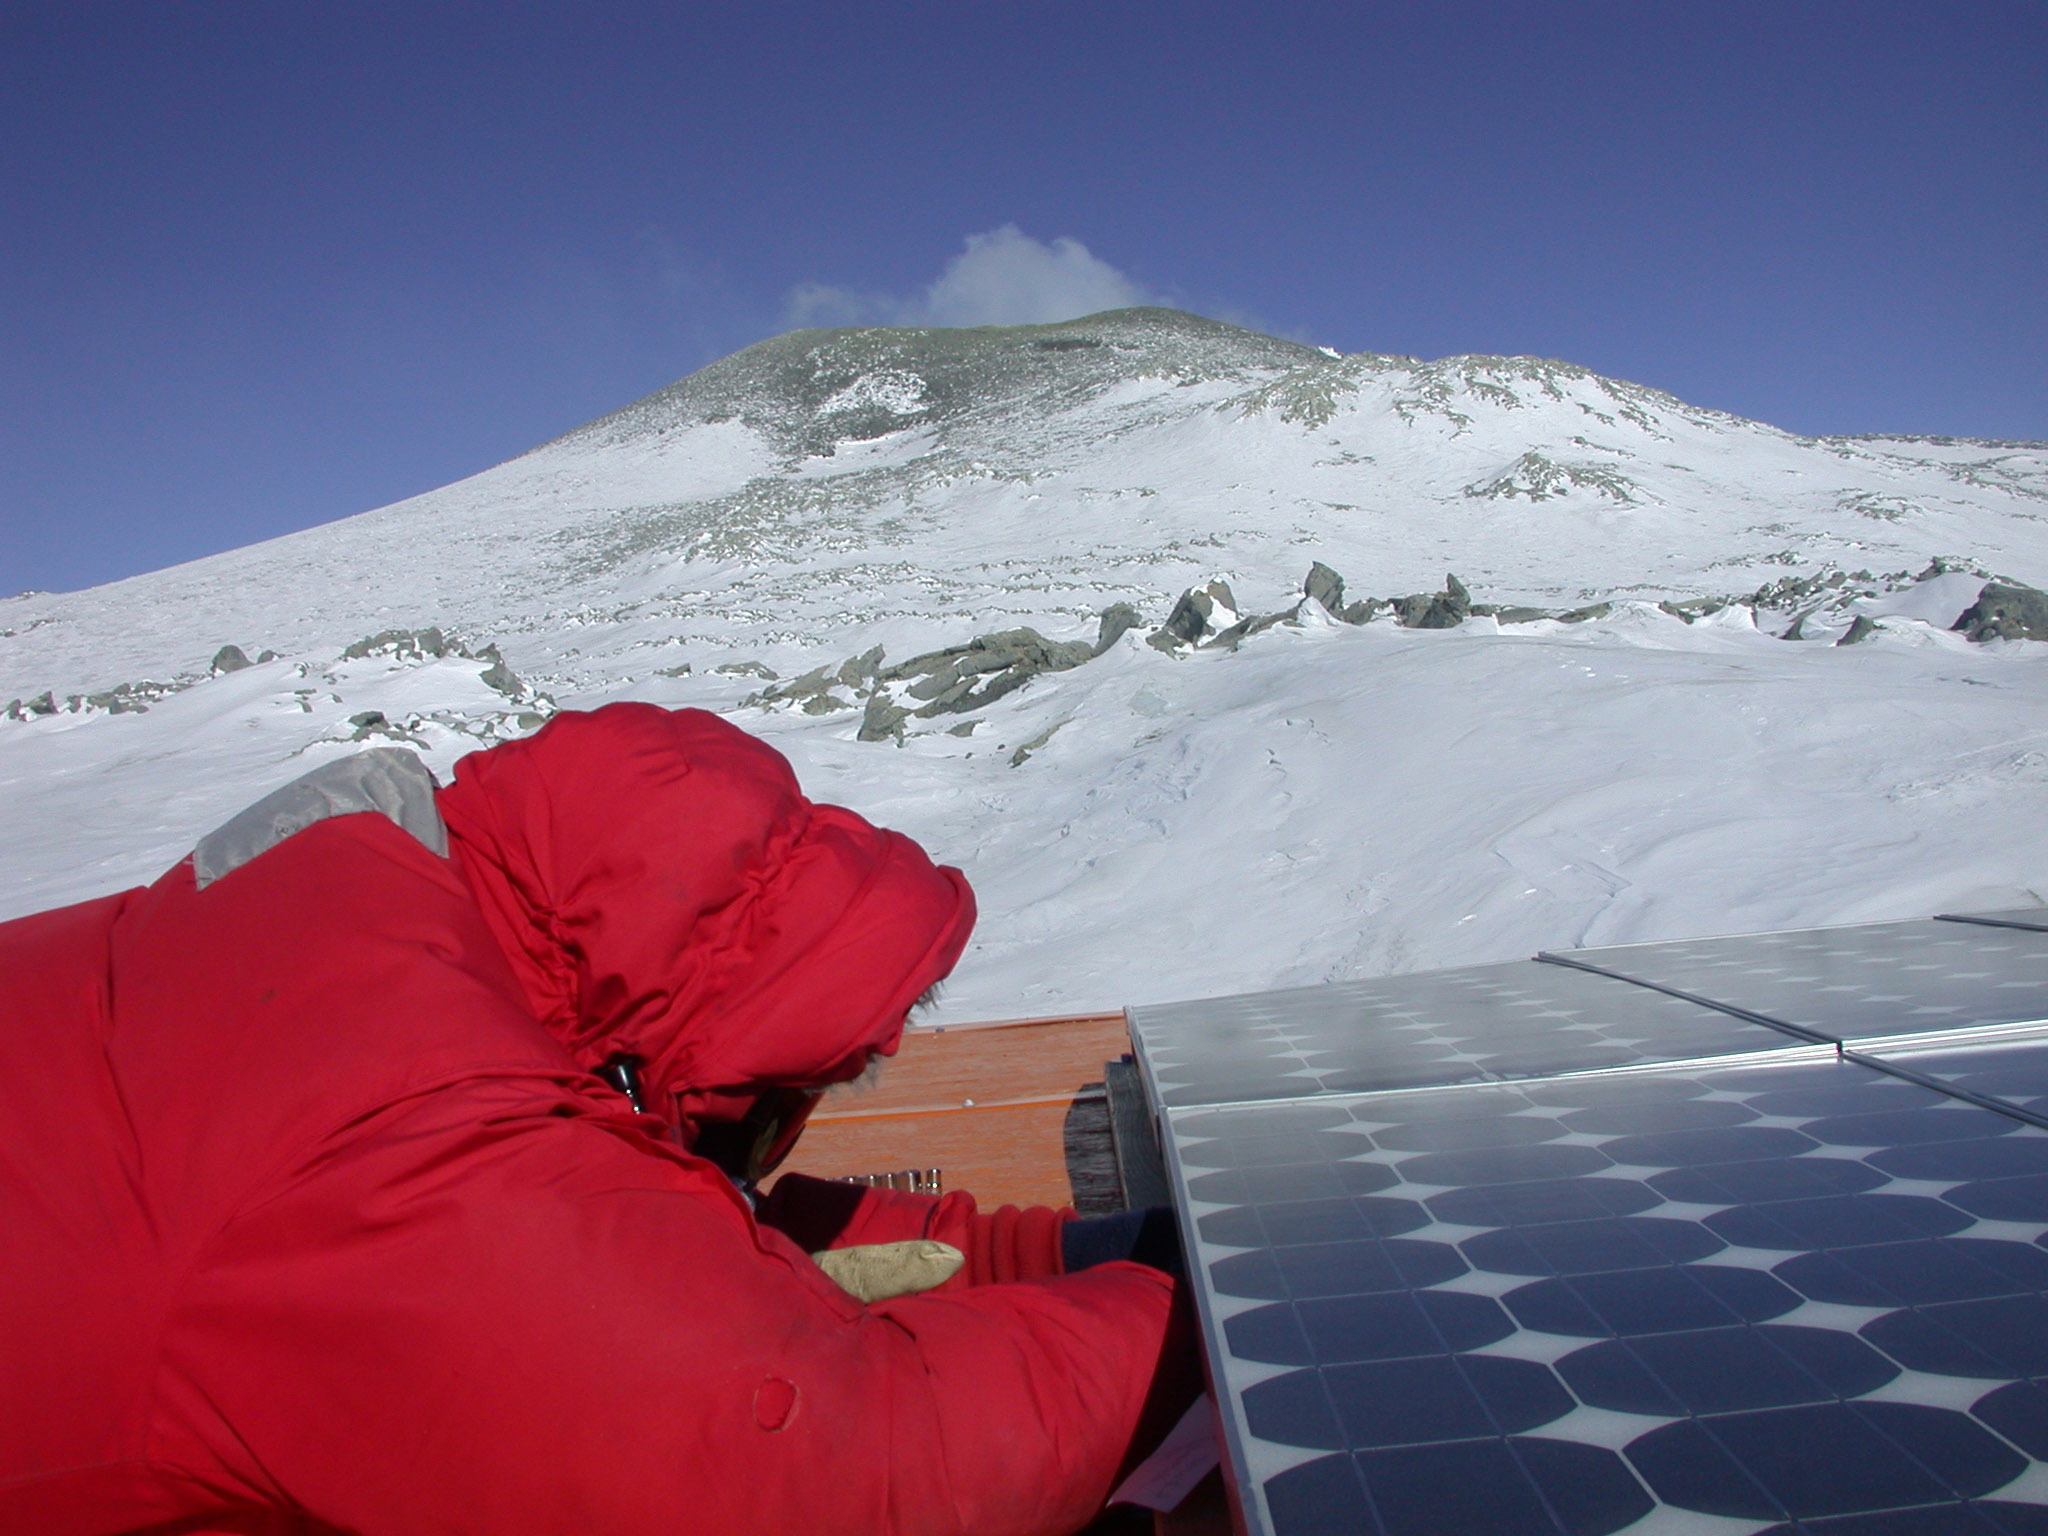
x: 266, y: 265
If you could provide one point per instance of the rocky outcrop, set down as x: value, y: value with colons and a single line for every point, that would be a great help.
x: 2006, y: 611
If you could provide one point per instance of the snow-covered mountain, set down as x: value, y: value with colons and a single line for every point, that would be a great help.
x: 811, y: 535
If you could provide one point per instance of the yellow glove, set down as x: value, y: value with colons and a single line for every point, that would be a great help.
x: 877, y: 1271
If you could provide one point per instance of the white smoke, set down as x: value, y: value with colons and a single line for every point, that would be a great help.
x: 1004, y: 277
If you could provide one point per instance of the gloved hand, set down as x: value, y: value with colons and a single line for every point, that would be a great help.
x: 877, y: 1271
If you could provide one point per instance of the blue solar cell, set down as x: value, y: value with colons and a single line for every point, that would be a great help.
x: 1867, y: 982
x: 1992, y: 1336
x: 1272, y: 1151
x: 1986, y: 1518
x: 1786, y: 1178
x: 1657, y: 1116
x: 1909, y: 1127
x: 1723, y: 1370
x: 2023, y: 1199
x: 1468, y: 1135
x: 1917, y: 1274
x: 1861, y: 1094
x: 1326, y: 1494
x: 1727, y: 1144
x: 1502, y: 1165
x: 1589, y: 1489
x: 1650, y: 1301
x: 1837, y: 1221
x: 1542, y: 1200
x: 1590, y: 1247
x: 1392, y: 1325
x: 1483, y: 1485
x: 1999, y: 1158
x: 1296, y: 1181
x: 1436, y: 1397
x: 1336, y: 1269
x: 1293, y: 1410
x: 1292, y: 1222
x: 1878, y: 1456
x: 2018, y: 1411
x: 1271, y: 1335
x: 1592, y: 1092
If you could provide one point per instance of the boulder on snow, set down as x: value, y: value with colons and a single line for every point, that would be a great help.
x: 1859, y: 631
x: 1325, y: 586
x: 1193, y: 616
x: 1114, y: 623
x: 2006, y: 611
x: 228, y: 658
x: 1435, y: 610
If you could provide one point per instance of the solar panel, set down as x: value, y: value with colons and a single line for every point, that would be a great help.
x: 1763, y: 1291
x: 1485, y: 1023
x: 1851, y: 984
x: 1552, y: 1248
x: 2007, y: 1069
x: 2023, y: 917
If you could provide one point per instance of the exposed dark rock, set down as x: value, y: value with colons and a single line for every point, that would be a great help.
x: 1361, y: 612
x: 228, y: 658
x: 414, y: 643
x: 1694, y: 607
x: 265, y: 655
x: 860, y: 672
x: 1116, y: 621
x: 1514, y: 615
x: 1435, y: 610
x: 1860, y: 631
x: 883, y: 720
x: 1245, y: 628
x: 1326, y: 587
x: 747, y: 669
x: 1190, y: 619
x: 2006, y: 611
x: 499, y: 676
x: 1582, y: 615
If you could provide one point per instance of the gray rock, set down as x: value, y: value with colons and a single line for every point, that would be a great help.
x: 860, y: 672
x: 883, y: 721
x: 2006, y: 611
x: 1361, y: 612
x: 1189, y: 621
x: 1115, y: 621
x: 415, y: 643
x: 1326, y: 587
x: 1860, y: 631
x: 1515, y: 615
x: 1591, y: 611
x: 1439, y: 610
x: 228, y: 658
x: 497, y: 675
x: 1243, y: 629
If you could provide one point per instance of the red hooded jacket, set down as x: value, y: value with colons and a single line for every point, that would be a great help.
x: 315, y: 1217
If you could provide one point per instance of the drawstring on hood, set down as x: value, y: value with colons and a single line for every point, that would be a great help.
x: 663, y: 890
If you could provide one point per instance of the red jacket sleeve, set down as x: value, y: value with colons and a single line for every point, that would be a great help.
x: 1010, y: 1243
x: 492, y: 1311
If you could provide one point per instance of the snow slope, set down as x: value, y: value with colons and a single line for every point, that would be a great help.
x: 1324, y: 800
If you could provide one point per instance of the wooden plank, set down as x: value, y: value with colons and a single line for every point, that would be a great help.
x: 986, y: 1105
x: 998, y: 1063
x: 1014, y: 1155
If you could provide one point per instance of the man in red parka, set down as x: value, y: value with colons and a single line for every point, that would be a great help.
x: 318, y: 1213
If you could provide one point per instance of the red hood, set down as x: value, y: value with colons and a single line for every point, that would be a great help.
x: 662, y: 888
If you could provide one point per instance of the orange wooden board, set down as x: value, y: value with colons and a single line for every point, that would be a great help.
x: 1006, y: 1146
